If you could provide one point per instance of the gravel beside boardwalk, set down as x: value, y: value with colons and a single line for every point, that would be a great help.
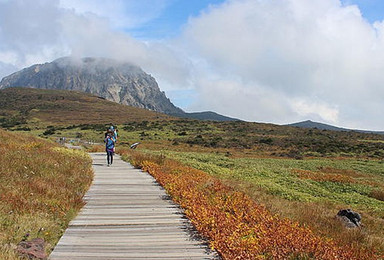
x: 128, y: 216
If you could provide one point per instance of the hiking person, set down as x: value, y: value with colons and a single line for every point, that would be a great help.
x: 114, y: 131
x: 109, y: 146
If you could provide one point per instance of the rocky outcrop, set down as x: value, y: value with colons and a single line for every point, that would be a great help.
x: 349, y: 218
x: 34, y: 249
x: 123, y: 83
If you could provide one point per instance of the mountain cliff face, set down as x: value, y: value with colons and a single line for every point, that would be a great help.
x: 123, y: 83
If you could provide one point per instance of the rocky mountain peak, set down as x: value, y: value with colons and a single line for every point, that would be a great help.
x: 120, y: 82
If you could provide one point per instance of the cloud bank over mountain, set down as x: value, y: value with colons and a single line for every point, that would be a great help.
x: 292, y: 59
x: 41, y: 31
x: 272, y: 61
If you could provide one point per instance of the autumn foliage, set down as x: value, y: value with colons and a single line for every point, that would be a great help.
x: 41, y: 189
x: 236, y: 226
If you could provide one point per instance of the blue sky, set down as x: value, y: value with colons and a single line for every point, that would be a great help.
x: 372, y: 10
x: 170, y: 22
x: 278, y: 61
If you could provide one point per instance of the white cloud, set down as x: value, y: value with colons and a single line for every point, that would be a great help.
x: 6, y: 69
x: 232, y: 97
x: 123, y: 14
x: 315, y: 58
x: 324, y: 112
x: 27, y: 27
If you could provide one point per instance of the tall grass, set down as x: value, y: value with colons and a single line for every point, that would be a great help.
x: 41, y: 189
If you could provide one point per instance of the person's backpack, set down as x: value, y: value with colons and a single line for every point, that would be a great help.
x: 109, y: 143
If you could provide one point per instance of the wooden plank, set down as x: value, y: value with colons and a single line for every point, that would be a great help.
x: 128, y: 216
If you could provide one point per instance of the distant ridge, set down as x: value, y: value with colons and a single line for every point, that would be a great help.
x: 208, y: 115
x: 321, y: 126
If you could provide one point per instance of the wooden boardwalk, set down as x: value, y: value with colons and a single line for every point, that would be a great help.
x: 128, y: 216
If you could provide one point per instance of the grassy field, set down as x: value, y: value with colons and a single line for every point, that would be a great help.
x: 41, y: 187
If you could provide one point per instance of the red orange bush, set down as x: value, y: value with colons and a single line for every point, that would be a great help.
x: 236, y: 226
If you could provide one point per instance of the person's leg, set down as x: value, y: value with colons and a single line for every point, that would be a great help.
x: 111, y: 157
x: 108, y: 155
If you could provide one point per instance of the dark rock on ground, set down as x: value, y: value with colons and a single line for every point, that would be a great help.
x: 33, y: 249
x: 349, y: 218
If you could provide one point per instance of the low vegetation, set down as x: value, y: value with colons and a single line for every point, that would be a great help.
x: 237, y: 226
x: 309, y: 191
x: 41, y: 186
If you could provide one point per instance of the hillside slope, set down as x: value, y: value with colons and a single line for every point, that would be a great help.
x: 62, y: 107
